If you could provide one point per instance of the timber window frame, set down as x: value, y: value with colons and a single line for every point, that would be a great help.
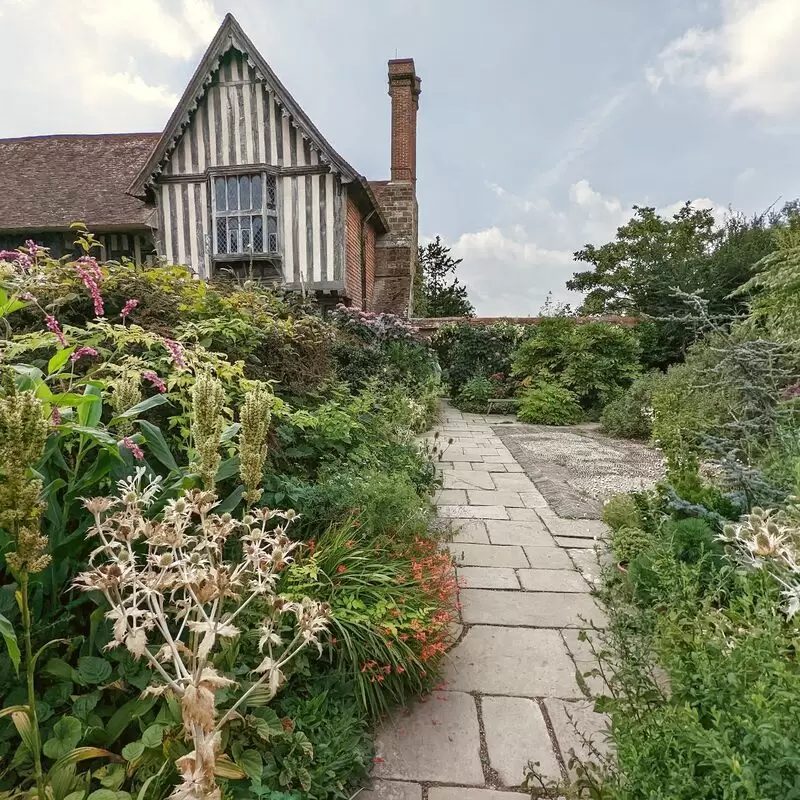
x: 245, y: 214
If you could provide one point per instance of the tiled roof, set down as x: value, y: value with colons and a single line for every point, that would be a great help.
x: 49, y: 182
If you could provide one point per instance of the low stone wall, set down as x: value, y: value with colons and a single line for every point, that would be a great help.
x: 429, y: 325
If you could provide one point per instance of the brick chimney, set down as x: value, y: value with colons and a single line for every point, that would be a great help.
x: 404, y: 89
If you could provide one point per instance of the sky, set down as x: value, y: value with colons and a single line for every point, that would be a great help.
x: 541, y: 122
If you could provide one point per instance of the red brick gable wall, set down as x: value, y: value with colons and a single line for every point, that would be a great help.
x: 352, y: 261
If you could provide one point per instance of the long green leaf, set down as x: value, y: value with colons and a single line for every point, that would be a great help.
x: 59, y: 359
x: 134, y: 411
x: 93, y: 433
x: 10, y: 638
x: 157, y: 444
x: 229, y: 432
x: 228, y: 468
x: 230, y: 502
x: 89, y: 415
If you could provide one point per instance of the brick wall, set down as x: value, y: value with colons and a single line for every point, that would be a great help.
x: 370, y: 264
x: 352, y: 272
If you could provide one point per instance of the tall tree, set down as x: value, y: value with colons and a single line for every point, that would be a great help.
x: 653, y: 258
x: 438, y: 291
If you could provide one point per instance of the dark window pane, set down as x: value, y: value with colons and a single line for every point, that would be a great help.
x: 233, y: 235
x: 244, y: 193
x: 258, y: 235
x: 255, y: 184
x: 233, y: 194
x: 271, y: 191
x: 245, y: 223
x: 222, y: 235
x: 272, y: 235
x: 219, y: 189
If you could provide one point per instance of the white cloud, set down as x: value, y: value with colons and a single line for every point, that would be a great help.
x: 134, y: 87
x: 749, y: 62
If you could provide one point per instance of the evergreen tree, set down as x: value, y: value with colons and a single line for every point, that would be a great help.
x: 438, y: 292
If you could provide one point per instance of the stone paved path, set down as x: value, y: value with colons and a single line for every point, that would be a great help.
x: 511, y: 687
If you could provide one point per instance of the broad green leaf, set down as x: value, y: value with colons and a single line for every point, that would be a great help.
x: 153, y: 736
x: 72, y: 400
x: 230, y: 502
x: 79, y: 795
x: 108, y: 794
x: 67, y: 732
x: 93, y: 669
x: 133, y: 750
x: 126, y: 714
x: 85, y: 704
x: 229, y: 432
x: 93, y: 433
x: 250, y: 761
x: 157, y: 444
x: 89, y: 415
x: 59, y: 668
x: 228, y: 468
x: 59, y: 359
x: 134, y: 411
x: 10, y: 638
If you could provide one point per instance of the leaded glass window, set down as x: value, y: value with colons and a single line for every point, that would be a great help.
x: 245, y: 214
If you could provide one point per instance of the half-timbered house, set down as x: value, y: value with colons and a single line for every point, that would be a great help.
x: 239, y: 181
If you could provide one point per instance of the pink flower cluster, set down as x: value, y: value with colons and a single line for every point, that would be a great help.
x: 17, y: 257
x: 176, y: 351
x: 128, y: 307
x: 155, y: 380
x: 81, y: 352
x: 134, y: 448
x: 52, y: 324
x: 89, y: 272
x: 373, y: 325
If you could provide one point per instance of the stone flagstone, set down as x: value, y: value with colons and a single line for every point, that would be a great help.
x: 392, y: 790
x: 439, y: 741
x: 512, y: 661
x: 530, y: 609
x: 487, y: 578
x: 527, y: 532
x: 485, y: 555
x: 552, y: 580
x: 516, y: 733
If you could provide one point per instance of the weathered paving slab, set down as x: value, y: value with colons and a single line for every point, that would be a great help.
x: 574, y: 722
x: 470, y: 531
x: 450, y: 497
x: 473, y: 512
x: 585, y: 528
x: 439, y: 741
x: 392, y: 790
x: 514, y: 482
x: 532, y: 609
x: 487, y: 578
x: 589, y: 563
x: 524, y: 514
x: 482, y: 497
x: 526, y: 532
x: 462, y: 793
x: 516, y: 733
x: 551, y: 557
x: 552, y: 580
x: 484, y: 555
x: 467, y: 479
x: 578, y: 544
x: 522, y: 662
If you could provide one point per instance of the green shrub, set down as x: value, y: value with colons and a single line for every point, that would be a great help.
x: 466, y: 350
x: 631, y: 414
x: 628, y: 543
x: 549, y: 404
x: 621, y: 511
x: 691, y: 539
x: 596, y: 361
x: 475, y: 395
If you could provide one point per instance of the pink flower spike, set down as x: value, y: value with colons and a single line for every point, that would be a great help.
x: 151, y: 376
x: 52, y: 324
x: 136, y: 451
x: 176, y: 351
x: 128, y: 307
x: 55, y: 416
x: 81, y: 352
x: 89, y: 272
x: 27, y: 296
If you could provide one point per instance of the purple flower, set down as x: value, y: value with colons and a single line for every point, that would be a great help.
x: 28, y: 296
x: 176, y: 351
x: 128, y: 307
x: 151, y: 376
x: 134, y: 448
x: 33, y: 248
x: 55, y: 416
x: 20, y: 259
x: 81, y: 352
x: 52, y: 324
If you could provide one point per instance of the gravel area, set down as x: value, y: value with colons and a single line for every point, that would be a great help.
x: 577, y: 467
